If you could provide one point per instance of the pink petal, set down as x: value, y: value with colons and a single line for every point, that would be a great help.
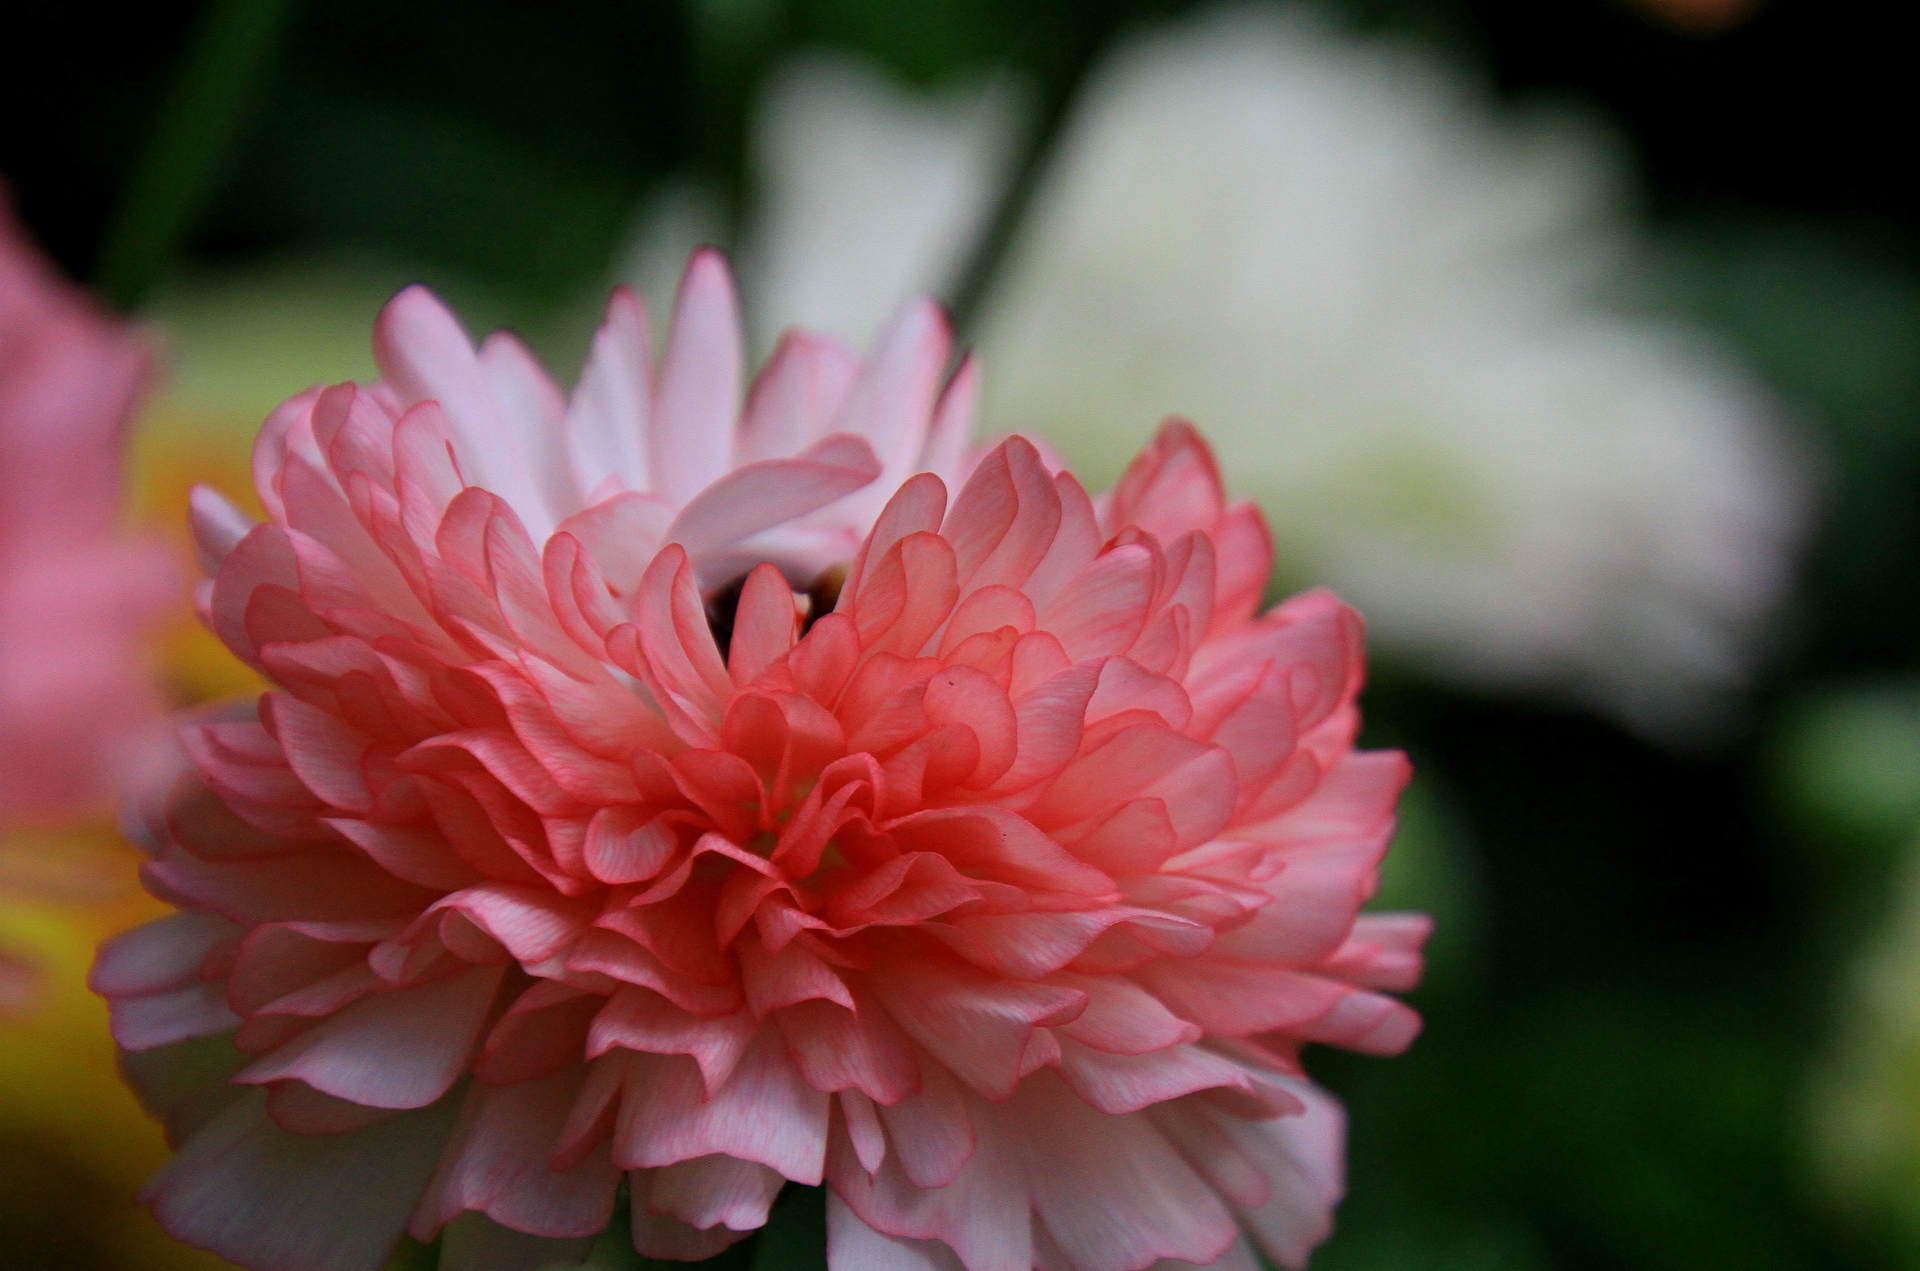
x: 766, y: 1112
x: 1235, y: 1001
x: 657, y: 1236
x: 1171, y: 487
x: 907, y: 595
x: 497, y: 1163
x: 931, y: 1131
x: 764, y: 625
x: 840, y: 1049
x: 1122, y: 1018
x: 995, y: 843
x: 403, y: 1048
x: 1243, y: 549
x: 796, y: 395
x: 979, y: 1026
x: 759, y: 495
x: 425, y: 356
x: 891, y: 402
x: 530, y: 402
x: 608, y: 414
x: 415, y: 854
x: 171, y: 1015
x: 1283, y: 1175
x: 1111, y: 1190
x: 944, y: 453
x: 625, y: 844
x: 164, y: 954
x: 1383, y: 952
x: 714, y: 1191
x: 621, y: 535
x: 915, y: 508
x: 277, y: 959
x: 1005, y: 518
x: 544, y: 1030
x: 298, y: 1108
x: 795, y: 974
x: 1048, y: 719
x: 983, y: 1215
x: 1118, y: 1084
x: 690, y: 443
x: 1075, y: 543
x: 640, y: 1020
x: 531, y: 922
x: 854, y: 1246
x: 861, y: 1120
x: 322, y: 751
x: 218, y: 526
x: 1103, y: 608
x: 318, y: 886
x: 264, y: 557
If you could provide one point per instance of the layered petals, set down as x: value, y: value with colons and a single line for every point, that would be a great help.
x: 649, y: 815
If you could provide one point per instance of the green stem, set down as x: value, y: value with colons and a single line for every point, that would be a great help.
x: 1058, y: 56
x: 174, y: 175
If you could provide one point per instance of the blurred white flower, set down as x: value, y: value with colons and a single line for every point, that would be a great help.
x: 867, y: 192
x: 1387, y: 305
x: 1384, y: 304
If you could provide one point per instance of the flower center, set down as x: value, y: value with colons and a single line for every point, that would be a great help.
x: 809, y: 606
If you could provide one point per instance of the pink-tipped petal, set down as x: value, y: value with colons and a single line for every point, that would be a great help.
x: 609, y: 412
x: 892, y: 400
x: 697, y: 403
x: 426, y: 356
x: 796, y: 397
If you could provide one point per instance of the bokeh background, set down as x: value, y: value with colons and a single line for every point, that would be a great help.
x: 1578, y: 343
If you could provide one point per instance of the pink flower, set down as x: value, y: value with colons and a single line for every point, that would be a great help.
x: 1001, y: 897
x: 76, y: 688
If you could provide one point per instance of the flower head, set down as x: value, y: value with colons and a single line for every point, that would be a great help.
x: 76, y: 692
x: 578, y: 842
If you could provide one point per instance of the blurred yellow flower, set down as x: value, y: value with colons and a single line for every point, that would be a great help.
x: 74, y: 1146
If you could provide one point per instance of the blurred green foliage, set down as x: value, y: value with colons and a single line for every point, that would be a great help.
x: 1847, y: 768
x: 1830, y: 315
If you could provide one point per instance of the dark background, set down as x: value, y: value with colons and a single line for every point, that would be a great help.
x: 1645, y: 950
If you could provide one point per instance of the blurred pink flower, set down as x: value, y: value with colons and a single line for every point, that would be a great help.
x: 1001, y: 898
x: 77, y: 690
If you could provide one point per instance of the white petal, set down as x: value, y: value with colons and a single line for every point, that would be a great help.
x: 217, y: 526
